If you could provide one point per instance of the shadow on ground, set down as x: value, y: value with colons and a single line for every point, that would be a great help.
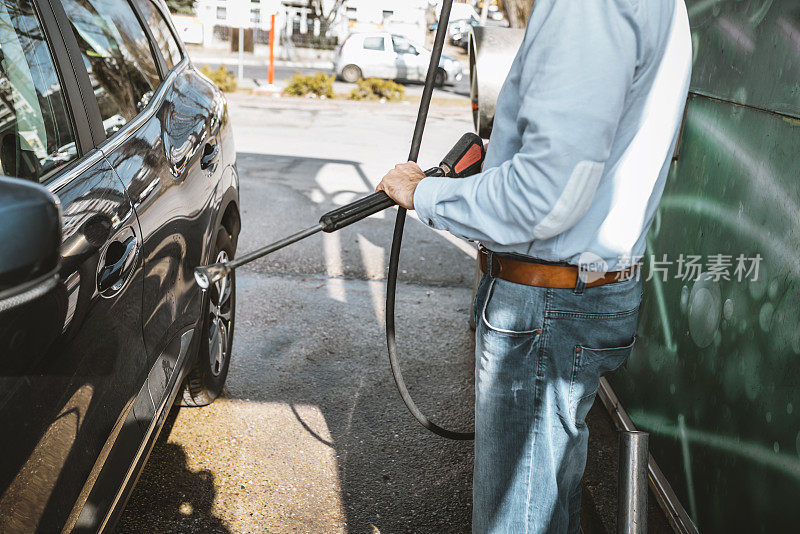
x: 179, y: 499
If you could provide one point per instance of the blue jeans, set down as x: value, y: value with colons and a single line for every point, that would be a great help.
x: 539, y: 356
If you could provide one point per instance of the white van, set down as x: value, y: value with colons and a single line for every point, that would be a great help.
x: 391, y: 56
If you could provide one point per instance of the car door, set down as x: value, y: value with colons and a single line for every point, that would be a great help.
x: 377, y: 58
x: 188, y: 124
x: 74, y: 366
x: 159, y: 125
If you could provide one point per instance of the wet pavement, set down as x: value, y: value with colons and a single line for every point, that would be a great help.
x: 311, y: 435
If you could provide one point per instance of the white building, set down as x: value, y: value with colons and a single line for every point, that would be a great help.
x: 408, y: 17
x: 459, y: 11
x: 235, y: 13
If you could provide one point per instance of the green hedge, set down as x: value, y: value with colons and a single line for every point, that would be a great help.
x: 320, y: 85
x: 377, y: 89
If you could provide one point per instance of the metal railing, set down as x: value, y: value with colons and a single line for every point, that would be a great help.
x: 632, y: 482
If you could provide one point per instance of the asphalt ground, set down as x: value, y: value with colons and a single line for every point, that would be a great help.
x: 310, y: 434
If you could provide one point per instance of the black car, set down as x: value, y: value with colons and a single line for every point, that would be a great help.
x: 123, y: 181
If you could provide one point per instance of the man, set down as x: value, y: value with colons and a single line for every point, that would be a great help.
x: 584, y: 133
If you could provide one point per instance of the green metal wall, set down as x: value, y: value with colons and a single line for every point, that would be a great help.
x: 748, y: 52
x: 715, y: 376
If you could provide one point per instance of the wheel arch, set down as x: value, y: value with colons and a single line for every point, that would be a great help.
x: 227, y: 213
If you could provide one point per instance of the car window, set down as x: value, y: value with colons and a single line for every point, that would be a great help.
x: 158, y: 26
x: 117, y: 55
x: 402, y: 45
x: 36, y: 136
x: 373, y: 43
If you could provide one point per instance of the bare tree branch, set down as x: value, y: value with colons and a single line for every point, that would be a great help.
x: 517, y: 11
x: 318, y: 10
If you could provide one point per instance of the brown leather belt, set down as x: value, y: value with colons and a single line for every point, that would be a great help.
x: 545, y: 275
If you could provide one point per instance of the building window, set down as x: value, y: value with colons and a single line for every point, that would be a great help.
x: 255, y: 16
x: 222, y: 13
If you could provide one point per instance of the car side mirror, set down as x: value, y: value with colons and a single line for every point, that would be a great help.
x: 30, y: 242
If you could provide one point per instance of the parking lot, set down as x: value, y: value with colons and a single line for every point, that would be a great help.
x: 310, y: 435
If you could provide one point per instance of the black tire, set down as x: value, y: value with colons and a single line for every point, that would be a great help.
x: 206, y: 378
x: 351, y: 73
x: 440, y: 78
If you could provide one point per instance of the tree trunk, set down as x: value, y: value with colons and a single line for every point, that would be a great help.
x: 316, y: 7
x: 517, y: 12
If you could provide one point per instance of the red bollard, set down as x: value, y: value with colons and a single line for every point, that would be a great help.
x: 271, y: 69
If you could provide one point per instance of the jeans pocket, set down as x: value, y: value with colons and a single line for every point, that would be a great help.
x: 504, y: 310
x: 588, y: 366
x: 477, y: 302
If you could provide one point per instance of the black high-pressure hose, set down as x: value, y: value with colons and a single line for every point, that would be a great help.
x: 463, y: 160
x: 397, y: 241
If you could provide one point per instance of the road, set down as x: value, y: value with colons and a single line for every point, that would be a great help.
x: 310, y: 435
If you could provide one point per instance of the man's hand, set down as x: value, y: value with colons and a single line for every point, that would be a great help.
x: 401, y: 182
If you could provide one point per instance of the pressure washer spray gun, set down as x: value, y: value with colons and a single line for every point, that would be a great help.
x: 464, y: 159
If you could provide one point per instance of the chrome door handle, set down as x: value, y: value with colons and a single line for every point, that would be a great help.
x: 116, y: 265
x: 210, y: 154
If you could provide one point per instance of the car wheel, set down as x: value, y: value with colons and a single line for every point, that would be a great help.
x: 440, y: 78
x: 204, y: 382
x: 351, y: 74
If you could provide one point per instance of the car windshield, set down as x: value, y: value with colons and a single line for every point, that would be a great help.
x: 402, y: 45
